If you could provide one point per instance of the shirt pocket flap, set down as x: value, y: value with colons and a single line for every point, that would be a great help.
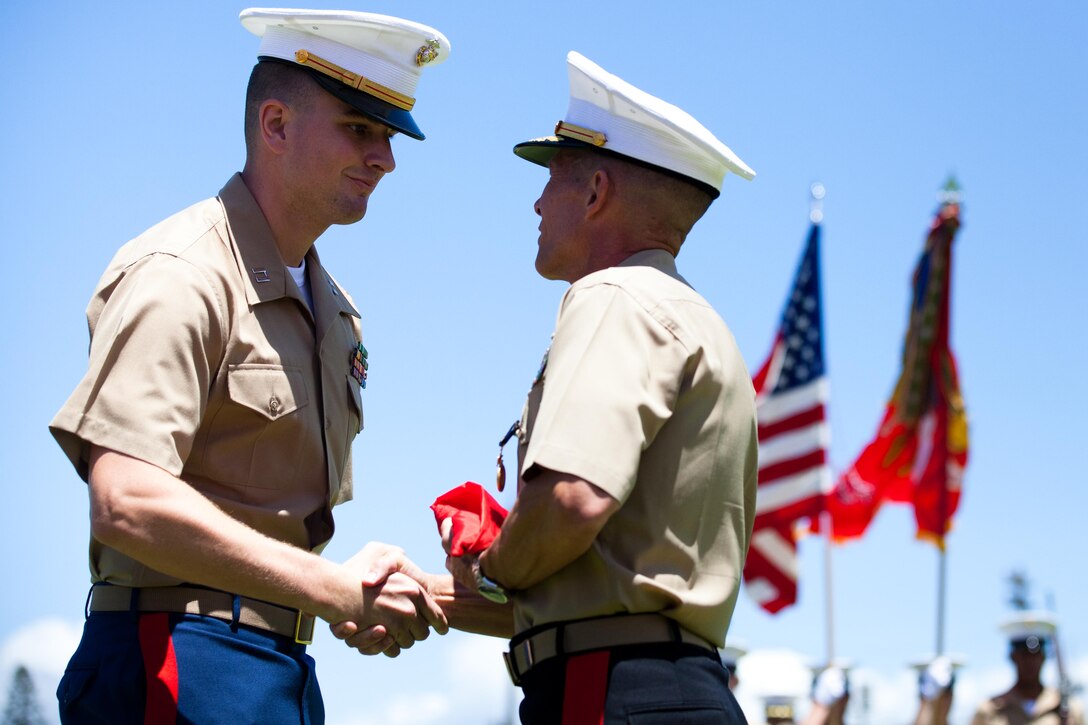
x: 271, y: 390
x: 355, y: 395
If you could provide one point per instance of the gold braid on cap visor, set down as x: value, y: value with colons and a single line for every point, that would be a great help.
x: 578, y: 133
x: 354, y: 80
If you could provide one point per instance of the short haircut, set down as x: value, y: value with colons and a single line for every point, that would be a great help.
x: 673, y: 200
x: 685, y: 200
x: 281, y: 80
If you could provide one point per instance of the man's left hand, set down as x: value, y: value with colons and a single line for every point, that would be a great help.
x: 461, y: 567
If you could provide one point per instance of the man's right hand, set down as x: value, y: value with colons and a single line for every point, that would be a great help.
x: 396, y: 610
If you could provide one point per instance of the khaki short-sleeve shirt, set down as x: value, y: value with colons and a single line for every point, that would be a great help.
x: 206, y: 361
x: 644, y: 393
x: 1008, y: 709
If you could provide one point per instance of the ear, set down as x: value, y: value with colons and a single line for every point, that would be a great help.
x: 272, y: 118
x: 600, y: 191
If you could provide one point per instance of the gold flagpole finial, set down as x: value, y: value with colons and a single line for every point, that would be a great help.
x: 951, y: 192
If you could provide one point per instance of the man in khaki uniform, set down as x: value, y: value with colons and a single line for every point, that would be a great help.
x: 215, y: 421
x: 1028, y: 701
x: 623, y: 552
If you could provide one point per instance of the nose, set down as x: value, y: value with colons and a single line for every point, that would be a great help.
x: 536, y: 207
x: 381, y: 156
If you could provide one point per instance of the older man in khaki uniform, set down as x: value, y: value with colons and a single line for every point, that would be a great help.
x: 623, y: 552
x: 215, y: 421
x: 1028, y: 701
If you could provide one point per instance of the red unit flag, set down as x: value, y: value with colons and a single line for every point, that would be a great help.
x: 920, y: 450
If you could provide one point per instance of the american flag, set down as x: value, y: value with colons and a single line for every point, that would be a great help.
x: 791, y: 392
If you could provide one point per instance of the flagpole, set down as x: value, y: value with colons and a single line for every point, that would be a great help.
x: 950, y: 194
x: 816, y: 215
x: 941, y: 576
x: 829, y: 600
x: 942, y: 564
x: 942, y: 569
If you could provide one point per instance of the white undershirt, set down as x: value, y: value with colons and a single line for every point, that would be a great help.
x: 299, y: 275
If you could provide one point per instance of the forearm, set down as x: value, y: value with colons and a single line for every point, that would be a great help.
x: 157, y: 519
x: 468, y: 611
x: 818, y: 715
x: 554, y: 521
x: 935, y: 711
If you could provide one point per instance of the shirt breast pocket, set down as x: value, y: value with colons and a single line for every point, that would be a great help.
x: 271, y: 391
x: 261, y: 434
x: 355, y: 408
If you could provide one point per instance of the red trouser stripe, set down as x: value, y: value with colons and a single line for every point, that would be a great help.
x: 585, y: 688
x: 161, y: 668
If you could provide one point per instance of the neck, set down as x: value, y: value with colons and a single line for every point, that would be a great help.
x: 292, y: 236
x: 1028, y: 690
x: 614, y: 242
x: 640, y: 229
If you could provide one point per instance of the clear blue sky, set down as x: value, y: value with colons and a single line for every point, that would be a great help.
x: 118, y: 114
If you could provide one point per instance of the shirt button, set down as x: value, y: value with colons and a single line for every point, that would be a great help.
x: 328, y: 423
x: 274, y: 405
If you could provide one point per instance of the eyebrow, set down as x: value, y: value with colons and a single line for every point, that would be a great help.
x: 352, y: 116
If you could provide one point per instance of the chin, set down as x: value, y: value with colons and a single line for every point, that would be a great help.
x: 352, y: 214
x: 542, y: 268
x: 550, y: 273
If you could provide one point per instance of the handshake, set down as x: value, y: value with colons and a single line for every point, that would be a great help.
x: 400, y: 602
x: 398, y: 606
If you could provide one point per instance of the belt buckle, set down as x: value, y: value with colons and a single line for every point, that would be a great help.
x: 511, y: 661
x: 511, y: 668
x: 304, y: 633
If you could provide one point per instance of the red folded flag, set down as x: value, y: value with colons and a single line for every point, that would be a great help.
x: 477, y: 517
